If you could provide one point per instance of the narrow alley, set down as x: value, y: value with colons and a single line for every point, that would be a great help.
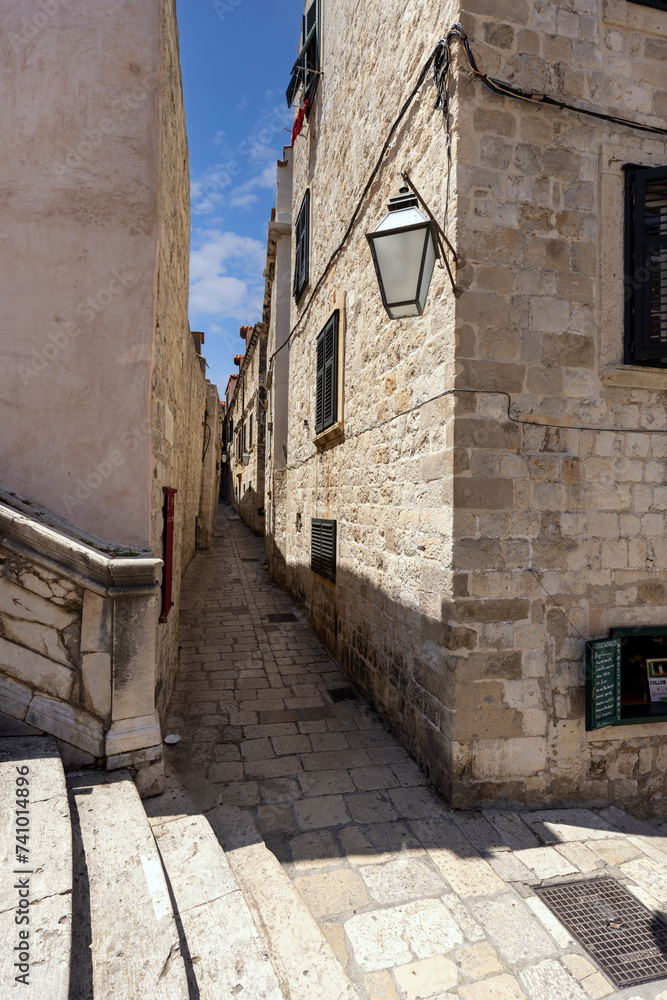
x: 414, y: 899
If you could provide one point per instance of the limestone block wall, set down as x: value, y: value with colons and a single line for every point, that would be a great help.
x: 211, y: 468
x: 77, y: 643
x: 77, y: 258
x: 247, y: 481
x: 179, y: 390
x: 386, y: 479
x: 483, y: 536
x: 547, y: 513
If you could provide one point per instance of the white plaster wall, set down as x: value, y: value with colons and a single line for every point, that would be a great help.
x: 78, y: 231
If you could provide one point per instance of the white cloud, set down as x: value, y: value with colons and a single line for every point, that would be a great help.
x: 246, y: 194
x: 226, y: 275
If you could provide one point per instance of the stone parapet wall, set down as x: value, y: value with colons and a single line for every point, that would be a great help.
x: 77, y: 643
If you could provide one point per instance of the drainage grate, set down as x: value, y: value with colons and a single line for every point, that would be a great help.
x: 249, y: 559
x: 286, y: 616
x: 342, y: 694
x: 627, y: 941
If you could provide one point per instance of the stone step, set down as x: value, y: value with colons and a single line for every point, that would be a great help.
x: 46, y: 875
x: 125, y: 941
x: 224, y: 954
x: 304, y: 961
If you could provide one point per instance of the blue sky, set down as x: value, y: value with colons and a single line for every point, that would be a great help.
x: 236, y: 57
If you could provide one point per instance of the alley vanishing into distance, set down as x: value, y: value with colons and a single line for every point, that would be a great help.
x: 415, y: 900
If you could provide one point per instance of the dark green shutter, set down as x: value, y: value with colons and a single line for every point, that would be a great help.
x: 326, y: 396
x: 302, y: 247
x: 319, y: 392
x: 646, y: 277
x: 323, y: 548
x: 250, y: 433
x: 330, y: 406
x: 603, y: 683
x: 310, y: 50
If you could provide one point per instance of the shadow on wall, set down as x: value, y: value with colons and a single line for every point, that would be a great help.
x: 446, y: 699
x: 251, y: 509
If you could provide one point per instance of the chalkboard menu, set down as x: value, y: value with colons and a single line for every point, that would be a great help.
x: 603, y: 683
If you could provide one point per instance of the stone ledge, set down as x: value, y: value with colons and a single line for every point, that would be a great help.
x: 635, y: 377
x: 49, y: 542
x: 332, y: 435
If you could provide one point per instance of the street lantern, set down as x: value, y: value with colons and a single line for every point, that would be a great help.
x: 246, y: 458
x: 404, y: 248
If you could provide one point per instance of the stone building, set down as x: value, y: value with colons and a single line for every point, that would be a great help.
x: 485, y: 497
x: 103, y: 399
x: 245, y: 427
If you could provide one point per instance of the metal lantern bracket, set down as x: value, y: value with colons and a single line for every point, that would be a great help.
x: 440, y: 232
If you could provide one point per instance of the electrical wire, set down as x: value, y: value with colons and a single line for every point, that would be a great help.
x: 369, y: 183
x: 440, y: 59
x: 507, y: 90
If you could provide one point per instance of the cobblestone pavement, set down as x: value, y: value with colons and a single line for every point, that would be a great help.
x: 416, y: 901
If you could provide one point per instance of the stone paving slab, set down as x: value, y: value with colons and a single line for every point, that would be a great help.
x: 416, y: 901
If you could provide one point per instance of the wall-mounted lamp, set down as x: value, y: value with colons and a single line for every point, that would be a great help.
x: 404, y: 248
x: 224, y: 459
x: 246, y: 458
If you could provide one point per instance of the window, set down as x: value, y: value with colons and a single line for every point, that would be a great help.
x: 626, y: 678
x: 326, y: 393
x: 302, y: 247
x: 250, y: 433
x: 646, y: 265
x: 323, y: 548
x: 245, y: 429
x: 306, y: 69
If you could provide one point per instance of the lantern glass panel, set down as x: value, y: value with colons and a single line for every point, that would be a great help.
x: 399, y: 257
x: 429, y: 264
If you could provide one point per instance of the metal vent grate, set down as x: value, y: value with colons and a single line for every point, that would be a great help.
x: 342, y: 694
x: 286, y: 616
x: 627, y: 941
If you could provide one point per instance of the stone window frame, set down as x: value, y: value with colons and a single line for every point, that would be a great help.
x: 613, y: 370
x: 336, y: 432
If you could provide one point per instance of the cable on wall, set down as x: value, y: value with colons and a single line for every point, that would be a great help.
x: 441, y: 59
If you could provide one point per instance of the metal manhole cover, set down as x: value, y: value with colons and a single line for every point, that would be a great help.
x: 287, y: 616
x: 342, y: 694
x: 626, y: 940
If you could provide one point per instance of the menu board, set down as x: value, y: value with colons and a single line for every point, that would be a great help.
x: 657, y: 678
x: 603, y: 682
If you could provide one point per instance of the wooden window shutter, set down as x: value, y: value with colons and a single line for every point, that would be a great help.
x: 302, y: 247
x: 646, y: 265
x: 326, y: 396
x: 319, y: 391
x: 250, y: 433
x: 603, y: 683
x: 323, y: 548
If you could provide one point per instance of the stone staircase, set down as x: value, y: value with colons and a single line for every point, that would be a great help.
x: 172, y: 898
